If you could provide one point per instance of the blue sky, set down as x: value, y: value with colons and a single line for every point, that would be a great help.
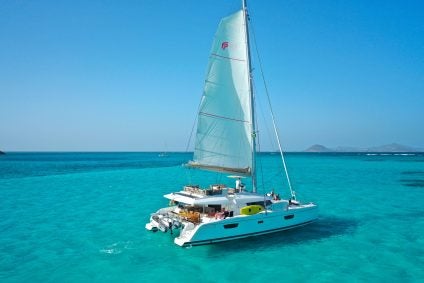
x: 128, y: 75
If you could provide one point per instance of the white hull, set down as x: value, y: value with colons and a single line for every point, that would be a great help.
x: 209, y: 229
x: 243, y: 226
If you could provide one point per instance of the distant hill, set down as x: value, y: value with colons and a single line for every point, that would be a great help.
x: 318, y: 148
x: 393, y: 147
x: 1, y: 152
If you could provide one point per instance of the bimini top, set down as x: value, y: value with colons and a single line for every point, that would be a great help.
x: 197, y: 199
x: 193, y: 199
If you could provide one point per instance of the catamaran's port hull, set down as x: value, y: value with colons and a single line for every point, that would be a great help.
x: 248, y: 226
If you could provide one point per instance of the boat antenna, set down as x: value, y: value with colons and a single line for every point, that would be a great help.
x: 252, y: 114
x: 292, y: 192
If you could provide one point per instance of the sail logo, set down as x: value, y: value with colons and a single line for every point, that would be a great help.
x: 224, y: 45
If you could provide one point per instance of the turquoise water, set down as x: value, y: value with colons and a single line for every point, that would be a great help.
x: 79, y: 217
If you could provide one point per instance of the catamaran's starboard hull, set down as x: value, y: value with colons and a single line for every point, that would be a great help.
x: 248, y: 226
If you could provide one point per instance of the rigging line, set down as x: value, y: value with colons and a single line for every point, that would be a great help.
x: 194, y: 124
x: 258, y: 136
x: 279, y: 173
x: 222, y: 117
x: 261, y: 166
x: 268, y: 131
x: 293, y: 195
x: 188, y: 174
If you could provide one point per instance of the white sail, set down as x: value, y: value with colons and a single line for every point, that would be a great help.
x: 224, y: 131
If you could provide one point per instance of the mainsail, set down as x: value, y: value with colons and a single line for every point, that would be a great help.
x: 224, y: 139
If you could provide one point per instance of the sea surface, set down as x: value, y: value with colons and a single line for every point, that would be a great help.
x: 79, y: 217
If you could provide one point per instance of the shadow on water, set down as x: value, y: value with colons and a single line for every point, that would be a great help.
x: 415, y: 183
x: 325, y: 227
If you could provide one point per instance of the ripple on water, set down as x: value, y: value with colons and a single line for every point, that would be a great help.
x: 117, y: 248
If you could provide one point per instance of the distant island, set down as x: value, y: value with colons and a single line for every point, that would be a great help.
x: 1, y: 152
x: 393, y: 147
x: 318, y: 148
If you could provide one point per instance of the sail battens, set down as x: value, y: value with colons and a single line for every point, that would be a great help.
x: 230, y: 58
x: 222, y: 117
x: 220, y: 84
x: 215, y: 153
x: 211, y: 82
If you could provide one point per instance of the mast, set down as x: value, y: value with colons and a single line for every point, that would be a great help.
x: 252, y: 112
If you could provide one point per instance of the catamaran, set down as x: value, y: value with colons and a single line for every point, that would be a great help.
x: 226, y: 143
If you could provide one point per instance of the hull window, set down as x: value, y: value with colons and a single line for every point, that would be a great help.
x: 289, y: 216
x: 229, y: 226
x: 260, y: 221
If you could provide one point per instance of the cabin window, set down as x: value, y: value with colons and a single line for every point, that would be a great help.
x: 290, y: 216
x: 229, y: 226
x: 260, y: 221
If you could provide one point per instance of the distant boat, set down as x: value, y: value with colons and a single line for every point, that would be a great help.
x: 226, y: 143
x: 163, y: 154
